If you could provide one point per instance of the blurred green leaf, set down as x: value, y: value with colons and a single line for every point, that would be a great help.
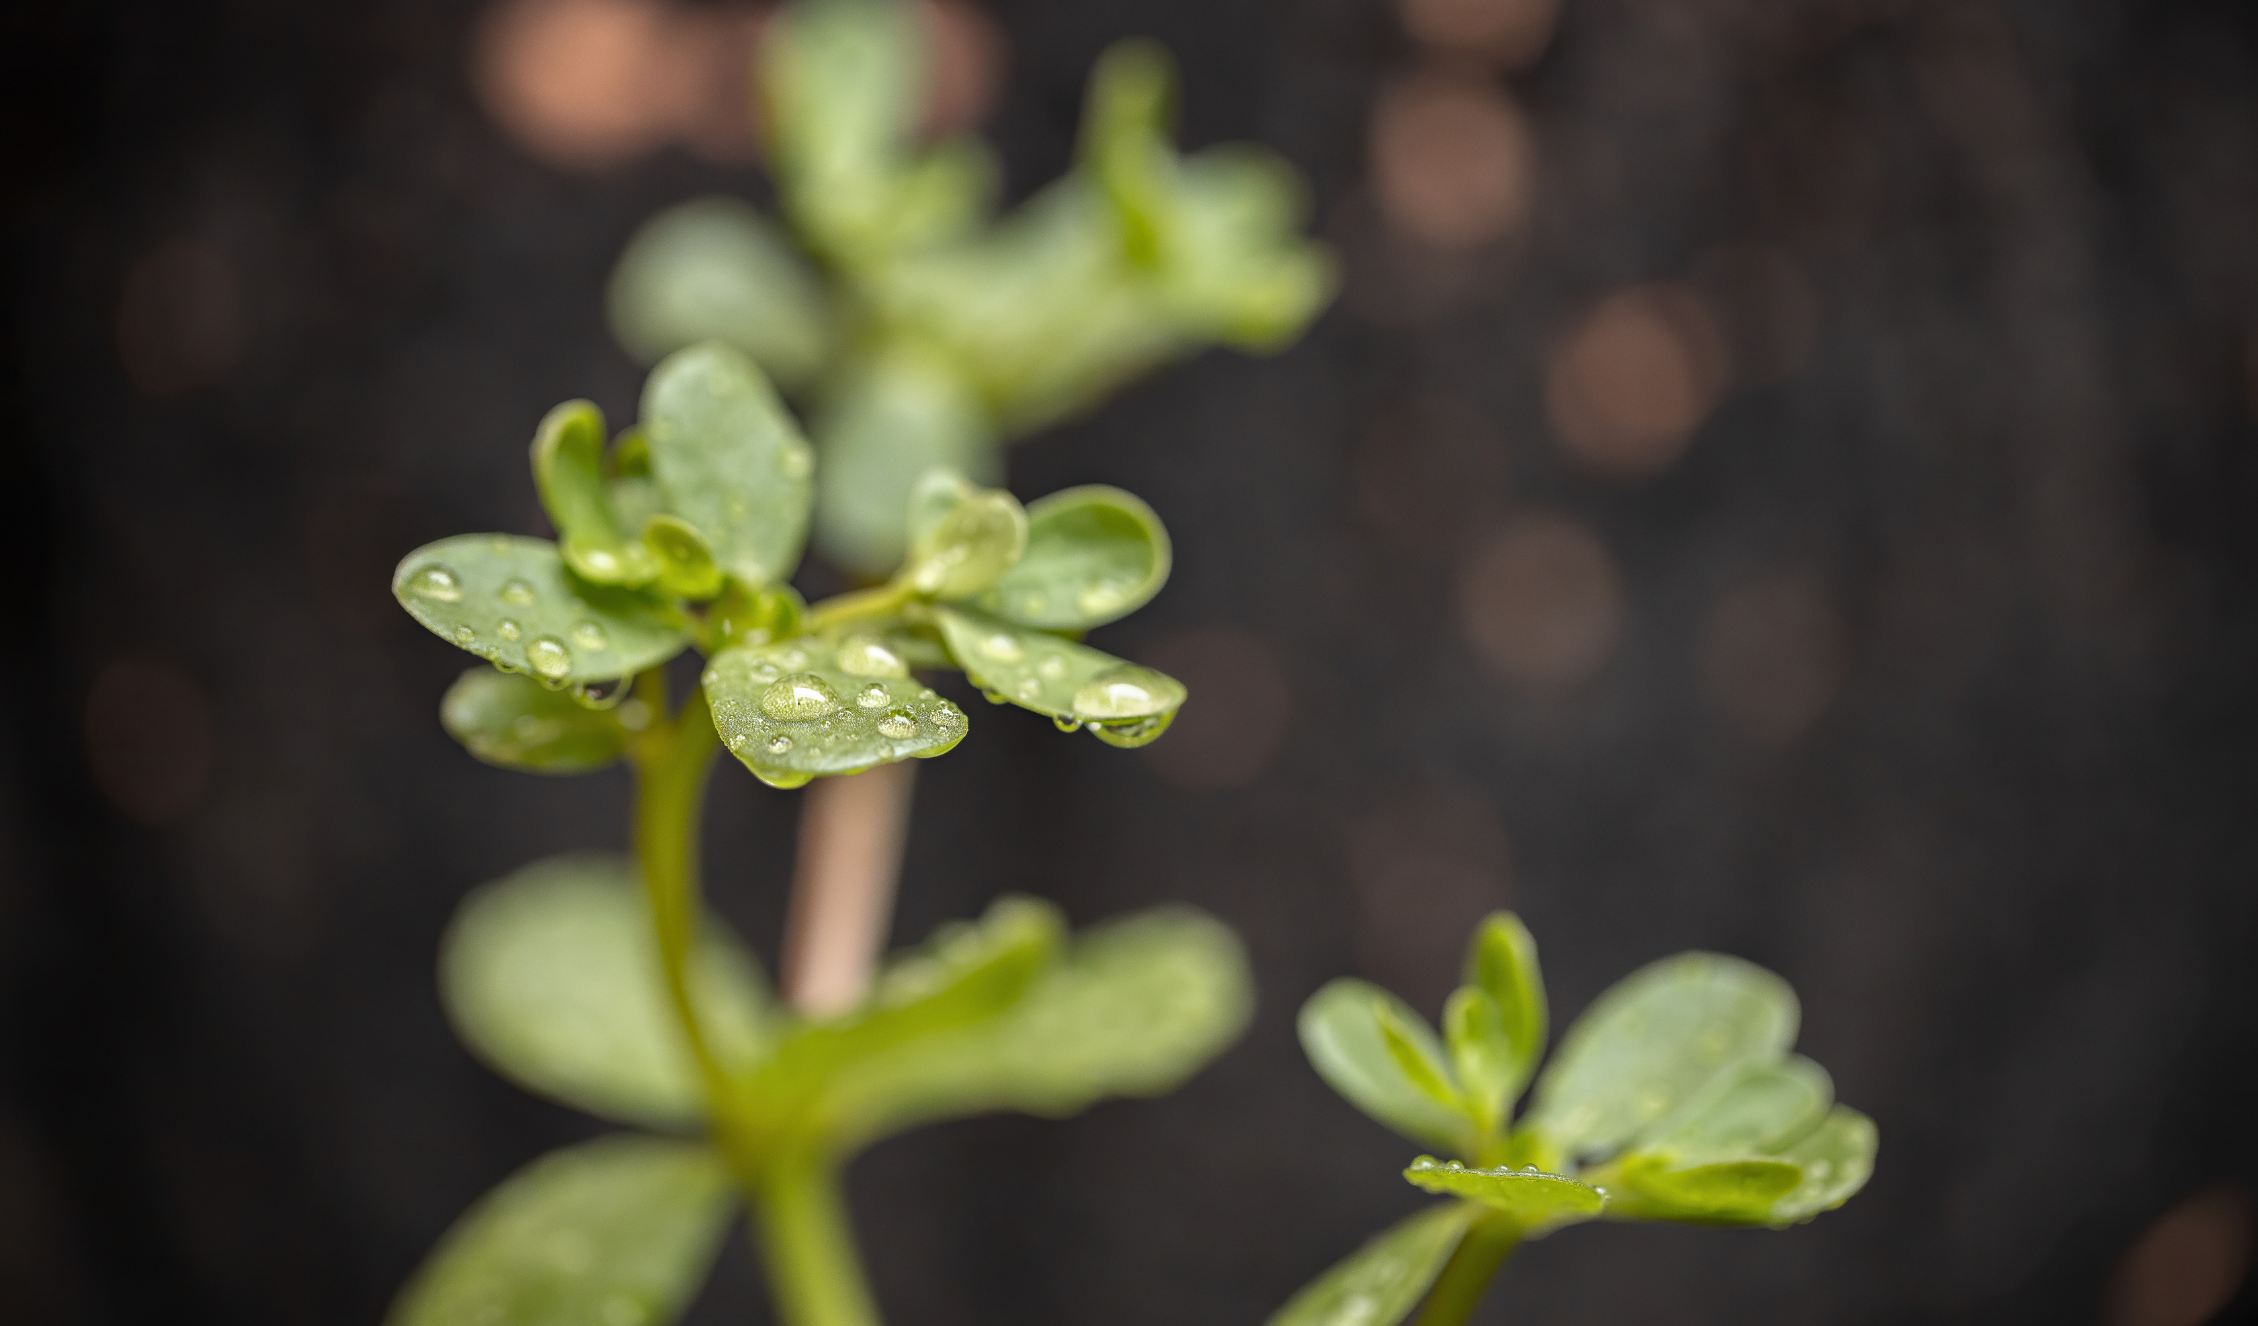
x: 1836, y: 1159
x: 1128, y: 131
x: 890, y: 418
x: 618, y: 1230
x: 1537, y: 1201
x: 791, y: 712
x: 1656, y: 1040
x: 568, y: 469
x: 966, y: 975
x: 1502, y: 960
x: 962, y: 537
x: 511, y: 601
x: 1380, y: 1283
x: 1481, y: 1055
x: 1766, y: 1109
x: 1411, y: 1043
x: 729, y: 459
x: 1240, y: 271
x: 1137, y: 1005
x: 1341, y: 1031
x: 1058, y: 677
x: 752, y: 615
x: 518, y: 723
x: 551, y: 976
x: 1729, y: 1192
x: 1094, y: 554
x: 716, y: 269
x: 686, y: 566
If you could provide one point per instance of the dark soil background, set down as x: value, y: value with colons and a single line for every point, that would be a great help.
x: 2004, y: 849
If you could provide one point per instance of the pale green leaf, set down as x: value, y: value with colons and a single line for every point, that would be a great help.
x: 1660, y: 1038
x: 797, y: 710
x: 1481, y: 1055
x: 517, y: 723
x: 1411, y: 1043
x: 1728, y: 1192
x: 1768, y: 1108
x: 1502, y: 960
x: 551, y: 976
x: 1380, y: 1283
x: 616, y: 1231
x: 1136, y: 1006
x: 1239, y: 270
x: 752, y: 615
x: 729, y: 459
x: 889, y: 419
x: 1341, y: 1032
x: 686, y: 565
x: 568, y: 469
x: 1094, y: 554
x: 962, y: 537
x: 511, y: 601
x: 1836, y: 1159
x: 1058, y: 677
x: 716, y: 269
x: 1537, y: 1201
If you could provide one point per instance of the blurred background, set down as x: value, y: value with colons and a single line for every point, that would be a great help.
x: 1778, y: 479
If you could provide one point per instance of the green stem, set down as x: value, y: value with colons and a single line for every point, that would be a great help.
x: 670, y: 791
x: 1488, y: 1242
x: 801, y: 1226
x: 878, y: 601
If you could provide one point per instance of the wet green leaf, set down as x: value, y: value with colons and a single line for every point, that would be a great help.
x: 968, y: 974
x: 962, y: 537
x: 1730, y: 1192
x: 1380, y: 1283
x: 729, y: 459
x: 1768, y: 1108
x: 551, y: 976
x: 1502, y: 960
x: 618, y: 1230
x: 1836, y: 1159
x: 1536, y: 1200
x: 1136, y: 1006
x: 1481, y: 1055
x: 716, y: 269
x: 1658, y: 1039
x: 1094, y: 555
x: 889, y: 419
x: 568, y: 465
x: 793, y: 711
x: 686, y: 566
x: 1059, y: 677
x: 753, y: 615
x: 517, y: 723
x: 511, y: 601
x: 1341, y: 1031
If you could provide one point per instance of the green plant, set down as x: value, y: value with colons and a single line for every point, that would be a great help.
x: 924, y: 330
x: 1674, y: 1097
x: 601, y: 982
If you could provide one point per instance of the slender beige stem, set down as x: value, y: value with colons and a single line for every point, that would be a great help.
x: 851, y: 837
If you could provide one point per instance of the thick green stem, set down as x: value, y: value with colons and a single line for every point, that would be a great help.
x: 877, y: 601
x: 1488, y: 1242
x: 801, y: 1226
x: 670, y: 794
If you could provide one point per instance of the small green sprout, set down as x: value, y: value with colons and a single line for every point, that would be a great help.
x: 1674, y: 1097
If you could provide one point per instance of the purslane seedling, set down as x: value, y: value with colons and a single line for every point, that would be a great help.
x: 599, y: 981
x: 1676, y: 1096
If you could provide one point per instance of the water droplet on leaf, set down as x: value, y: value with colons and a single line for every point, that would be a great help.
x: 464, y: 635
x: 900, y: 725
x: 873, y: 696
x: 588, y: 635
x: 517, y: 594
x: 801, y: 697
x: 1004, y: 647
x: 437, y: 583
x: 507, y: 629
x: 1124, y: 692
x: 1066, y: 724
x: 780, y: 746
x: 548, y: 657
x: 796, y: 461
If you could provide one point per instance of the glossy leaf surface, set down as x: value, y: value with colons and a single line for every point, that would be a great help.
x: 794, y: 711
x: 551, y: 976
x: 618, y: 1230
x: 729, y: 459
x: 1135, y: 1007
x: 1094, y: 554
x: 1534, y: 1199
x: 1059, y: 677
x: 1341, y: 1032
x: 1766, y: 1109
x: 1380, y: 1283
x: 568, y: 469
x: 511, y: 601
x: 889, y: 419
x: 1502, y: 960
x: 1836, y: 1159
x: 716, y: 269
x: 962, y: 536
x: 1656, y: 1040
x: 1481, y: 1056
x: 685, y: 560
x: 517, y: 723
x: 1729, y: 1192
x: 752, y: 615
x: 1411, y: 1043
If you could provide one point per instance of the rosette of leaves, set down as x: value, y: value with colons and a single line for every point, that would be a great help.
x: 682, y: 533
x: 924, y: 329
x: 1675, y: 1097
x: 551, y: 978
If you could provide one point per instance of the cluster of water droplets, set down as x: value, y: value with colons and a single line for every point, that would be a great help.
x: 548, y: 658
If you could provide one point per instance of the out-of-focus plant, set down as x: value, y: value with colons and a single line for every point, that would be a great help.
x: 1674, y: 1097
x: 601, y: 981
x: 923, y: 329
